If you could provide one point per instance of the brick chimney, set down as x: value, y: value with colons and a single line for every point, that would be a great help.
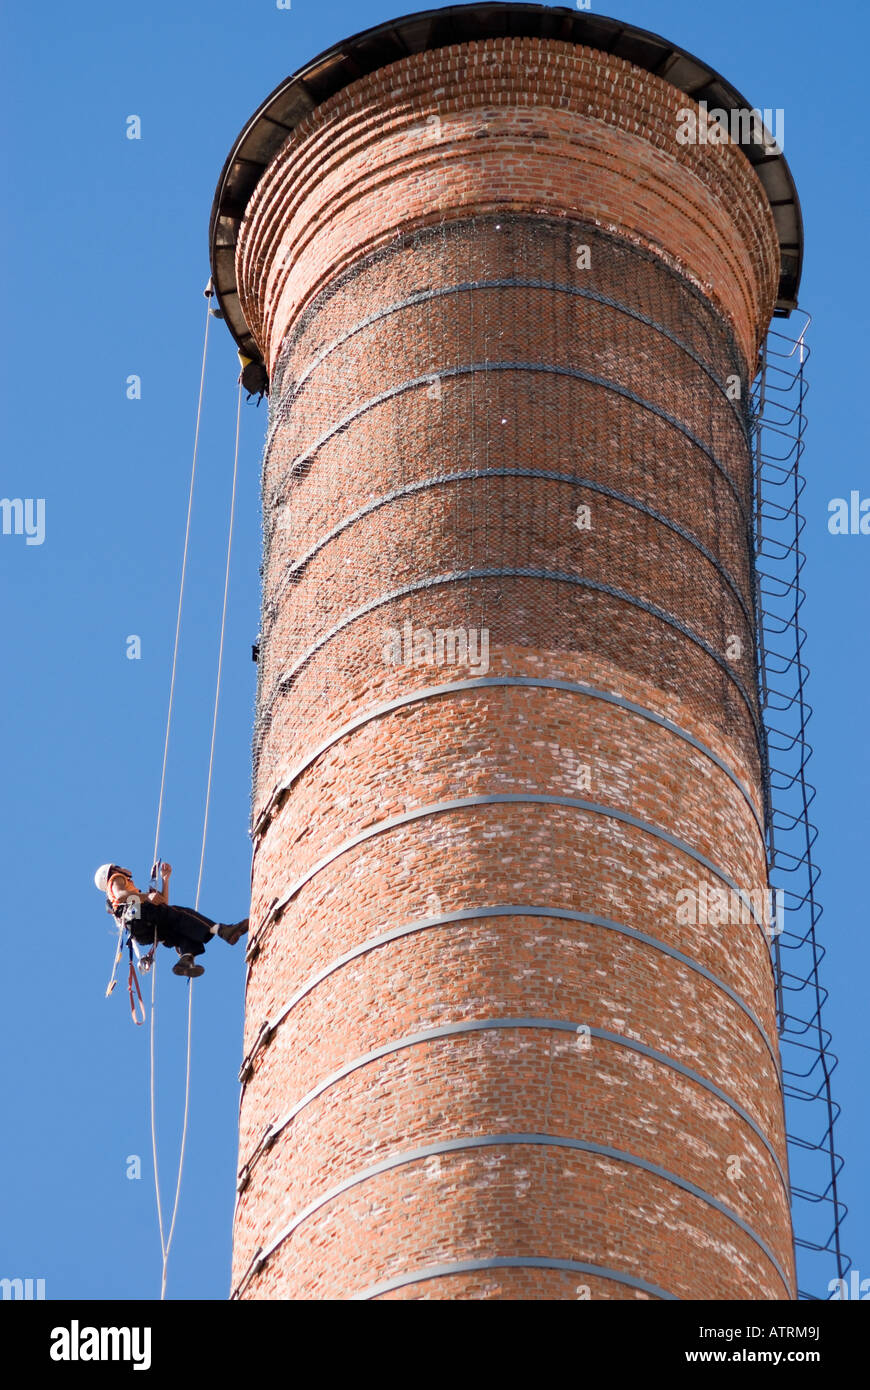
x: 510, y: 1021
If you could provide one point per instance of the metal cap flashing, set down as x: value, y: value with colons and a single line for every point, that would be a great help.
x: 366, y: 52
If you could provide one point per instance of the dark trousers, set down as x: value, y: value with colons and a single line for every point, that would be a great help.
x: 188, y: 931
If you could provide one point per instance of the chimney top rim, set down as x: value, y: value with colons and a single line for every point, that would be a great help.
x: 371, y: 49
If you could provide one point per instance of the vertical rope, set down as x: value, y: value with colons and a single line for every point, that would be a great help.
x: 154, y: 859
x: 217, y: 689
x: 153, y: 1073
x: 208, y: 294
x: 166, y: 1240
x: 166, y: 1245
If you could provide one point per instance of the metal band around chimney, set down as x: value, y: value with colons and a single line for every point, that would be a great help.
x: 499, y: 799
x: 503, y: 1141
x: 487, y: 1025
x: 540, y: 474
x: 445, y: 1271
x: 545, y: 368
x: 517, y: 572
x: 513, y: 282
x: 548, y: 915
x: 526, y: 572
x: 431, y: 692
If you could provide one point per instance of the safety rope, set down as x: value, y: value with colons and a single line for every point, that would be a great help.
x: 208, y: 293
x: 168, y: 1245
x: 166, y: 1239
x: 153, y: 1088
x: 116, y: 962
x: 221, y: 644
x: 164, y: 1249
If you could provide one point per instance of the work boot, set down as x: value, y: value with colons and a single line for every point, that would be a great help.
x: 186, y: 965
x: 234, y: 932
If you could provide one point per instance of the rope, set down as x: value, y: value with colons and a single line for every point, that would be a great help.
x: 153, y: 1119
x: 167, y: 1245
x: 221, y: 645
x: 115, y: 963
x: 164, y: 1246
x: 166, y: 1239
x: 208, y: 294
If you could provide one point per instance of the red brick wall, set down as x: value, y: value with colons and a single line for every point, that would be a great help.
x: 385, y: 264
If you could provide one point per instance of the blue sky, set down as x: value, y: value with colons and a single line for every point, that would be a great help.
x: 105, y: 245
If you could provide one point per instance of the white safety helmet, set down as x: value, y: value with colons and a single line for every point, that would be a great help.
x: 104, y: 873
x: 101, y: 877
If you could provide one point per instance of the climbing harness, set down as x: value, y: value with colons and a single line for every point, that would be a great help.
x: 116, y: 962
x: 133, y: 982
x: 125, y: 924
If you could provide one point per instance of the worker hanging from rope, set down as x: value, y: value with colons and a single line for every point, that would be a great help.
x: 149, y: 917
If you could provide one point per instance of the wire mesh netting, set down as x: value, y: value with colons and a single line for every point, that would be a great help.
x: 440, y: 418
